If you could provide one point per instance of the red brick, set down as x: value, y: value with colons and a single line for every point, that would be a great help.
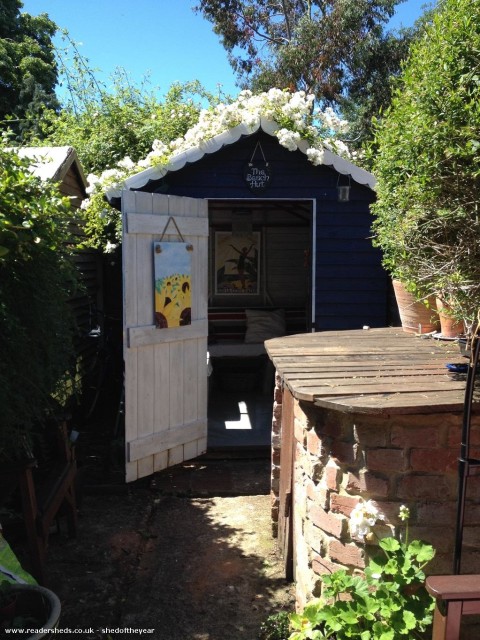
x: 333, y: 476
x: 321, y: 566
x: 372, y: 434
x: 389, y: 460
x: 299, y: 432
x: 318, y: 494
x: 369, y: 483
x: 472, y: 511
x: 346, y: 554
x: 436, y: 513
x: 342, y: 504
x: 441, y: 538
x: 329, y: 425
x: 314, y: 444
x: 417, y: 487
x: 455, y: 434
x: 415, y: 436
x: 326, y: 521
x: 438, y: 460
x: 344, y: 452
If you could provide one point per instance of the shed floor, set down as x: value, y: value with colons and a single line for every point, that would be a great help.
x: 239, y: 419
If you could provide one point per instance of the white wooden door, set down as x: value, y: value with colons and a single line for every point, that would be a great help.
x: 165, y: 369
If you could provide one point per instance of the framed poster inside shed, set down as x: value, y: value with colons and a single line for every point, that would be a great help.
x: 237, y: 263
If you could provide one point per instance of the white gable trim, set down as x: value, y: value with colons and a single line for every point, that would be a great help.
x: 231, y: 136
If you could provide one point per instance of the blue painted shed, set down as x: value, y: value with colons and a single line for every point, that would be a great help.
x: 278, y: 246
x: 316, y: 251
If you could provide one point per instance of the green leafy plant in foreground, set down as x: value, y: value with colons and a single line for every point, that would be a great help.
x: 388, y: 602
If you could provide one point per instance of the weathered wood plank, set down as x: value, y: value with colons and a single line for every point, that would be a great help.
x: 361, y: 374
x: 165, y: 440
x: 151, y: 335
x: 377, y: 371
x: 165, y: 369
x: 145, y: 223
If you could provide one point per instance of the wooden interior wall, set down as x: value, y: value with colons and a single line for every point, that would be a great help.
x: 285, y: 270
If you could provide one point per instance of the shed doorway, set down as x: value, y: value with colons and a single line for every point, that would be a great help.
x: 259, y: 287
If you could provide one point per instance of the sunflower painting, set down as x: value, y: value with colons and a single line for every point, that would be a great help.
x: 173, y: 284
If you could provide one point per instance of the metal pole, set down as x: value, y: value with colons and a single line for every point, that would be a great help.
x: 465, y: 463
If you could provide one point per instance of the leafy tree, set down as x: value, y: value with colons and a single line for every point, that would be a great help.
x: 336, y: 49
x: 427, y: 161
x: 110, y: 125
x: 36, y: 281
x: 28, y: 71
x: 107, y: 124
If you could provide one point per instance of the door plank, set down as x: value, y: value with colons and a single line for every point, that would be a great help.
x: 165, y: 369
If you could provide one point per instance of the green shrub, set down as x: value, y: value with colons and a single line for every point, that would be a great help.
x: 36, y: 280
x: 427, y: 161
x: 275, y: 627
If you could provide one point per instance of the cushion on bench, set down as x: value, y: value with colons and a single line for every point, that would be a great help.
x: 235, y: 332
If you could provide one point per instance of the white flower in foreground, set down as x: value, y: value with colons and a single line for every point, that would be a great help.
x: 288, y: 139
x: 315, y: 156
x: 363, y: 518
x: 293, y: 112
x: 404, y: 512
x: 127, y: 163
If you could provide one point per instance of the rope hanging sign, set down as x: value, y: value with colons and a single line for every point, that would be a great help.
x: 257, y: 174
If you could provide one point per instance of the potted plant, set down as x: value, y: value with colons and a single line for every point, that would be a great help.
x: 33, y: 609
x: 425, y: 157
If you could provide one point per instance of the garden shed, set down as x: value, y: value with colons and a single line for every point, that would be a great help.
x: 276, y: 246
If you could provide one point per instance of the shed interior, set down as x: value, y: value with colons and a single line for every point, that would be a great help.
x: 260, y: 275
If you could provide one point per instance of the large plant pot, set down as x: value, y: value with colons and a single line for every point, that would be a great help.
x: 449, y: 327
x: 416, y: 316
x: 38, y: 607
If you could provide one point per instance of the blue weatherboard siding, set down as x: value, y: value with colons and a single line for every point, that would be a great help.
x: 350, y: 284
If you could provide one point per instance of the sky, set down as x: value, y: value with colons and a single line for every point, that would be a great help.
x: 164, y: 39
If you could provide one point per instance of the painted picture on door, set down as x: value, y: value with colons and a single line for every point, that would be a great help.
x: 237, y: 261
x: 173, y: 284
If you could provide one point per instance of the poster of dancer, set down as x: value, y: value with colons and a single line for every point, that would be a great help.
x: 237, y: 261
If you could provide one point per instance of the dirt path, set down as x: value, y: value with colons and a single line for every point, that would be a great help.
x: 188, y: 568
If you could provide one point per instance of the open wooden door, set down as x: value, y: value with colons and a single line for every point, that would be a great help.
x: 165, y: 369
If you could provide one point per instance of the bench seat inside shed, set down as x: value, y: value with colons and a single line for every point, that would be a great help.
x: 236, y: 344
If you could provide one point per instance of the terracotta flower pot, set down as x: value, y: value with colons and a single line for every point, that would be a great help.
x: 449, y: 327
x: 416, y: 317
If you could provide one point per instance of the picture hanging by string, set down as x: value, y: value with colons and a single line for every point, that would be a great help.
x: 173, y: 282
x: 257, y: 173
x: 237, y: 263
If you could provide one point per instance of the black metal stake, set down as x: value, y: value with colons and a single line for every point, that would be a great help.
x: 465, y: 463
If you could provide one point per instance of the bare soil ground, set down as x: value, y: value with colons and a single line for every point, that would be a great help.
x: 186, y: 555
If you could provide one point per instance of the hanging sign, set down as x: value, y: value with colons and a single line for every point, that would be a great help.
x: 173, y: 284
x: 257, y: 174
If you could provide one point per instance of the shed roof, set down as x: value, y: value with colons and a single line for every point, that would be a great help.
x: 178, y: 161
x: 53, y: 163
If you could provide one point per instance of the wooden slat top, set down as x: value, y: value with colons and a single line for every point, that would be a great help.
x: 377, y: 371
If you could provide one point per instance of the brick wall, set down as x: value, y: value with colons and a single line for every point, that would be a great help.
x: 392, y: 460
